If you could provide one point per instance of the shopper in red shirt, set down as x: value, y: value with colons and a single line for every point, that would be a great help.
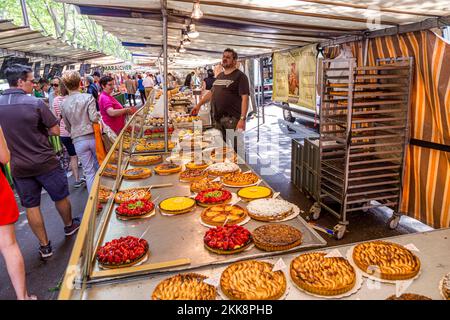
x: 9, y: 214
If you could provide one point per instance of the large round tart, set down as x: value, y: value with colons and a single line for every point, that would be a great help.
x: 255, y: 192
x: 386, y: 260
x: 252, y: 280
x: 217, y: 215
x: 137, y: 173
x: 197, y: 165
x: 132, y: 194
x: 104, y: 194
x: 227, y: 239
x: 167, y: 168
x: 190, y: 175
x: 134, y: 209
x: 269, y: 209
x: 275, y: 237
x: 239, y: 179
x: 145, y: 160
x: 316, y: 274
x: 222, y: 168
x: 122, y: 252
x: 177, y: 205
x: 212, y: 197
x: 204, y: 184
x: 187, y: 286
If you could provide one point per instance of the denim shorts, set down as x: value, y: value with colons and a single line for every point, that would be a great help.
x: 54, y: 182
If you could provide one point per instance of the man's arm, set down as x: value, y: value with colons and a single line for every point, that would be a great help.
x: 54, y: 131
x: 206, y: 98
x: 244, y: 109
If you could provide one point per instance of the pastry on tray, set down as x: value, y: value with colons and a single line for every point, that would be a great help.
x: 213, y: 197
x: 386, y: 260
x: 167, y: 168
x: 316, y: 274
x: 445, y: 286
x: 137, y: 173
x: 192, y: 175
x: 99, y: 207
x: 197, y: 165
x: 135, y: 208
x: 253, y: 280
x: 122, y: 252
x: 186, y: 286
x: 132, y: 194
x: 227, y: 239
x: 177, y: 205
x: 222, y: 154
x: 222, y: 168
x: 217, y: 215
x: 104, y: 194
x: 110, y: 171
x: 269, y: 209
x: 408, y: 296
x: 204, y: 184
x: 254, y: 192
x: 276, y: 237
x: 145, y: 160
x: 239, y: 179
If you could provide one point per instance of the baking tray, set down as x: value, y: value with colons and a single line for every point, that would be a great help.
x: 181, y: 236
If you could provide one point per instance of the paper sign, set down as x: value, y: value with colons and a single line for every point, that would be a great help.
x: 235, y: 201
x: 275, y: 195
x: 216, y: 179
x: 214, y: 280
x: 249, y: 171
x: 402, y: 286
x: 280, y: 265
x: 334, y: 254
x: 411, y: 247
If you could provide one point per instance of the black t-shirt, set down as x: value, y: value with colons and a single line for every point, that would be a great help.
x: 209, y: 81
x: 227, y: 92
x: 25, y: 122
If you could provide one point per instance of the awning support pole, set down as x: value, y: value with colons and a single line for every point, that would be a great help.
x: 26, y: 22
x: 165, y: 97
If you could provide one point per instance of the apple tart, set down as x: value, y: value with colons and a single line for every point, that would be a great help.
x: 188, y: 286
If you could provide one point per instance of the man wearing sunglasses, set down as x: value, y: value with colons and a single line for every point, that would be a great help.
x: 27, y: 122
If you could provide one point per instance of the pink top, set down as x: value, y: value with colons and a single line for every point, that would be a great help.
x: 57, y: 101
x: 105, y: 102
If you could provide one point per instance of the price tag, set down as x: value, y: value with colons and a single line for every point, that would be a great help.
x: 402, y: 286
x: 259, y: 182
x: 334, y: 254
x: 249, y: 171
x: 411, y: 247
x: 214, y: 280
x: 280, y: 265
x: 216, y: 179
x: 276, y: 194
x: 235, y: 201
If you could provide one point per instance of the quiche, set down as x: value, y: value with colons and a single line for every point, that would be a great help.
x: 204, y: 184
x: 177, y: 205
x: 269, y: 209
x: 316, y: 274
x: 137, y: 173
x: 132, y: 194
x: 110, y: 171
x: 187, y: 286
x: 192, y: 175
x: 252, y: 280
x: 222, y: 168
x: 227, y: 239
x: 408, y: 296
x: 167, y: 168
x: 386, y: 260
x: 122, y: 252
x: 136, y: 160
x: 135, y: 209
x: 239, y: 179
x: 276, y: 237
x: 212, y: 197
x: 104, y: 194
x: 255, y: 192
x: 217, y: 215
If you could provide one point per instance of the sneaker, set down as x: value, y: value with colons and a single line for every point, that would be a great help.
x: 83, y: 179
x: 46, y: 251
x: 78, y: 184
x: 70, y: 230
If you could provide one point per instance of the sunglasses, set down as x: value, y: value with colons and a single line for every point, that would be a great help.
x: 55, y: 85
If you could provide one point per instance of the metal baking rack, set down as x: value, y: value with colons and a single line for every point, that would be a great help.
x: 364, y: 130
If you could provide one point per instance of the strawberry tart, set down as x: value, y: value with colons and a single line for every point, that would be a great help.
x: 227, y: 239
x: 213, y: 197
x: 134, y: 209
x: 122, y: 252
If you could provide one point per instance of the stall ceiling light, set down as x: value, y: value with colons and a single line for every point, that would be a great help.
x: 192, y: 33
x: 196, y: 11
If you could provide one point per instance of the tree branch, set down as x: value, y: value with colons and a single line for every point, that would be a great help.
x: 37, y: 19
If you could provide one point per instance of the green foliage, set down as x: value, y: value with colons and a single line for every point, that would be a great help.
x: 63, y: 21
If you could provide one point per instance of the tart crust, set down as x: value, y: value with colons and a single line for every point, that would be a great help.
x: 252, y: 280
x: 408, y: 296
x: 145, y: 160
x: 143, y: 173
x: 187, y: 286
x: 394, y: 261
x: 166, y: 202
x: 276, y: 237
x: 316, y: 274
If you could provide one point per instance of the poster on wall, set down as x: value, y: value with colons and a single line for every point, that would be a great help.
x: 294, y: 76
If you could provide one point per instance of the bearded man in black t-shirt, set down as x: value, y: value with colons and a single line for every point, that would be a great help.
x: 229, y: 96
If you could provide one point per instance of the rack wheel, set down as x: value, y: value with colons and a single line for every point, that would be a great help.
x: 314, y: 212
x: 366, y: 209
x: 393, y: 222
x: 339, y: 231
